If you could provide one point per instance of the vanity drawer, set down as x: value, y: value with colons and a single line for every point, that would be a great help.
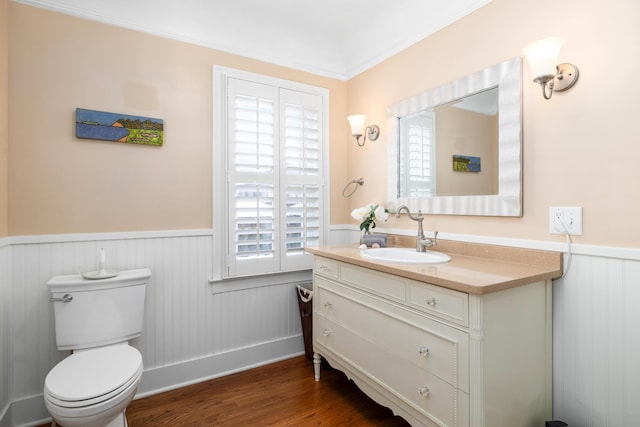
x: 326, y: 267
x: 445, y: 303
x: 379, y: 283
x: 423, y: 391
x: 421, y: 342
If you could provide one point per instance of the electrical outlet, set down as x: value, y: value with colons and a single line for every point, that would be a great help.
x: 569, y: 218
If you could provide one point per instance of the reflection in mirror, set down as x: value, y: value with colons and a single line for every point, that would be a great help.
x: 456, y: 149
x: 436, y: 145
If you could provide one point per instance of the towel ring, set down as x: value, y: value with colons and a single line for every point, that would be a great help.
x: 355, y: 187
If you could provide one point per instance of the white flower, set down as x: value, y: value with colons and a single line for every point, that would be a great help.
x: 368, y: 215
x: 361, y: 213
x: 380, y: 214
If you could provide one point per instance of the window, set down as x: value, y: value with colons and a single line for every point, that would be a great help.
x: 269, y: 172
x: 418, y: 154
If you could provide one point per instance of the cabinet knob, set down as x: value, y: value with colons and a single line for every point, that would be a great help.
x: 423, y: 391
x: 431, y: 302
x: 326, y: 332
x: 328, y: 304
x: 424, y: 351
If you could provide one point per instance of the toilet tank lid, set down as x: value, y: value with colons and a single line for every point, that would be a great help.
x: 77, y: 282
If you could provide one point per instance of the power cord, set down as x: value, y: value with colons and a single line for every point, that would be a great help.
x: 559, y: 225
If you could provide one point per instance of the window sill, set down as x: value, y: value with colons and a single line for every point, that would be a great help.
x: 234, y: 284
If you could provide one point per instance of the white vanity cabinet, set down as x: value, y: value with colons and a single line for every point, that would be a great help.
x: 436, y: 356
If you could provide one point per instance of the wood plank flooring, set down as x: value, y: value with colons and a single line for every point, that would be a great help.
x: 280, y: 394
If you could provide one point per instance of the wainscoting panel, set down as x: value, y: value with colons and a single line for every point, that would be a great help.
x: 597, y: 343
x: 5, y: 307
x: 192, y: 333
x: 184, y: 321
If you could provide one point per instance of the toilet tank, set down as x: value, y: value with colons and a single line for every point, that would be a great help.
x: 100, y: 312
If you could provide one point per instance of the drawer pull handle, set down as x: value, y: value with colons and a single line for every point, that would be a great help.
x: 424, y: 351
x: 324, y: 268
x: 326, y: 332
x: 423, y: 391
x: 431, y: 302
x: 328, y: 304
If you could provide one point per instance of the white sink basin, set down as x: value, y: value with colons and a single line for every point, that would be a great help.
x: 405, y: 256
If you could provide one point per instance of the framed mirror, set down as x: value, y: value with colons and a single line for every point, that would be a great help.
x: 457, y: 149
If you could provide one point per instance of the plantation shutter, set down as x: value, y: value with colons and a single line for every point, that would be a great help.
x: 301, y: 177
x: 252, y: 178
x: 419, y: 155
x: 274, y: 175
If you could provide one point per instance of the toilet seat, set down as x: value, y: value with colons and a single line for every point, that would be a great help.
x: 93, y: 376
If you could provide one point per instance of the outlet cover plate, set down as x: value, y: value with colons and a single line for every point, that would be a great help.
x: 569, y: 216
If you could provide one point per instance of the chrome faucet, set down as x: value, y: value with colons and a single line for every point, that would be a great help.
x: 422, y: 242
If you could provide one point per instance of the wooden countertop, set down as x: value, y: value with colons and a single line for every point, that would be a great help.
x: 474, y: 268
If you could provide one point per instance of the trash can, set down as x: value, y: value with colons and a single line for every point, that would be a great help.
x: 305, y: 304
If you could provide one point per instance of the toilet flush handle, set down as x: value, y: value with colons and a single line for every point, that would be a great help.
x: 65, y: 298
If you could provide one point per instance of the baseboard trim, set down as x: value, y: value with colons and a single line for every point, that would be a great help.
x: 28, y: 412
x: 31, y: 411
x: 5, y: 417
x: 171, y: 377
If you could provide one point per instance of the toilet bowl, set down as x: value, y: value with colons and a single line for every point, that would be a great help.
x: 95, y: 319
x: 92, y: 388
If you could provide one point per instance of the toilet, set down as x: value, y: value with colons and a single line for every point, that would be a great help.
x: 95, y: 319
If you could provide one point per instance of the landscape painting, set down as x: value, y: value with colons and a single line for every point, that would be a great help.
x: 466, y: 163
x: 100, y: 125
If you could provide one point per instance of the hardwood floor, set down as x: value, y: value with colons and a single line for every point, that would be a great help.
x: 280, y: 394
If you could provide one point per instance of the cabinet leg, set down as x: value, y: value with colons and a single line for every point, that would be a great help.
x: 317, y: 360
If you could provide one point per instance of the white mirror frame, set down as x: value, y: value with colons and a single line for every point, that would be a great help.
x: 507, y: 76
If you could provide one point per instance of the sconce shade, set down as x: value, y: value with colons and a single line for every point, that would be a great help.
x: 357, y: 124
x: 542, y: 56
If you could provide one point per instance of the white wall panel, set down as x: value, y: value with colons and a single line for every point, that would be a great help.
x: 597, y: 343
x: 596, y: 322
x: 5, y: 306
x: 183, y: 319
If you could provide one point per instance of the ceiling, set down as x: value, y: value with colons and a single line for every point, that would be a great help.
x: 333, y: 38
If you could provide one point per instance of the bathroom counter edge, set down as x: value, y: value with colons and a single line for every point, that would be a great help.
x: 468, y: 271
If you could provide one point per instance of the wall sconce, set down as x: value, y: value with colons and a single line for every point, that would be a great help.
x: 542, y: 56
x: 357, y: 128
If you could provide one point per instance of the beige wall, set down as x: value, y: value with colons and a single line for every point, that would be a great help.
x: 60, y: 184
x: 4, y: 117
x: 580, y: 148
x: 461, y: 132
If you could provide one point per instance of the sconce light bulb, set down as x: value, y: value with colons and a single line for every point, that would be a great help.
x: 542, y: 56
x: 357, y: 124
